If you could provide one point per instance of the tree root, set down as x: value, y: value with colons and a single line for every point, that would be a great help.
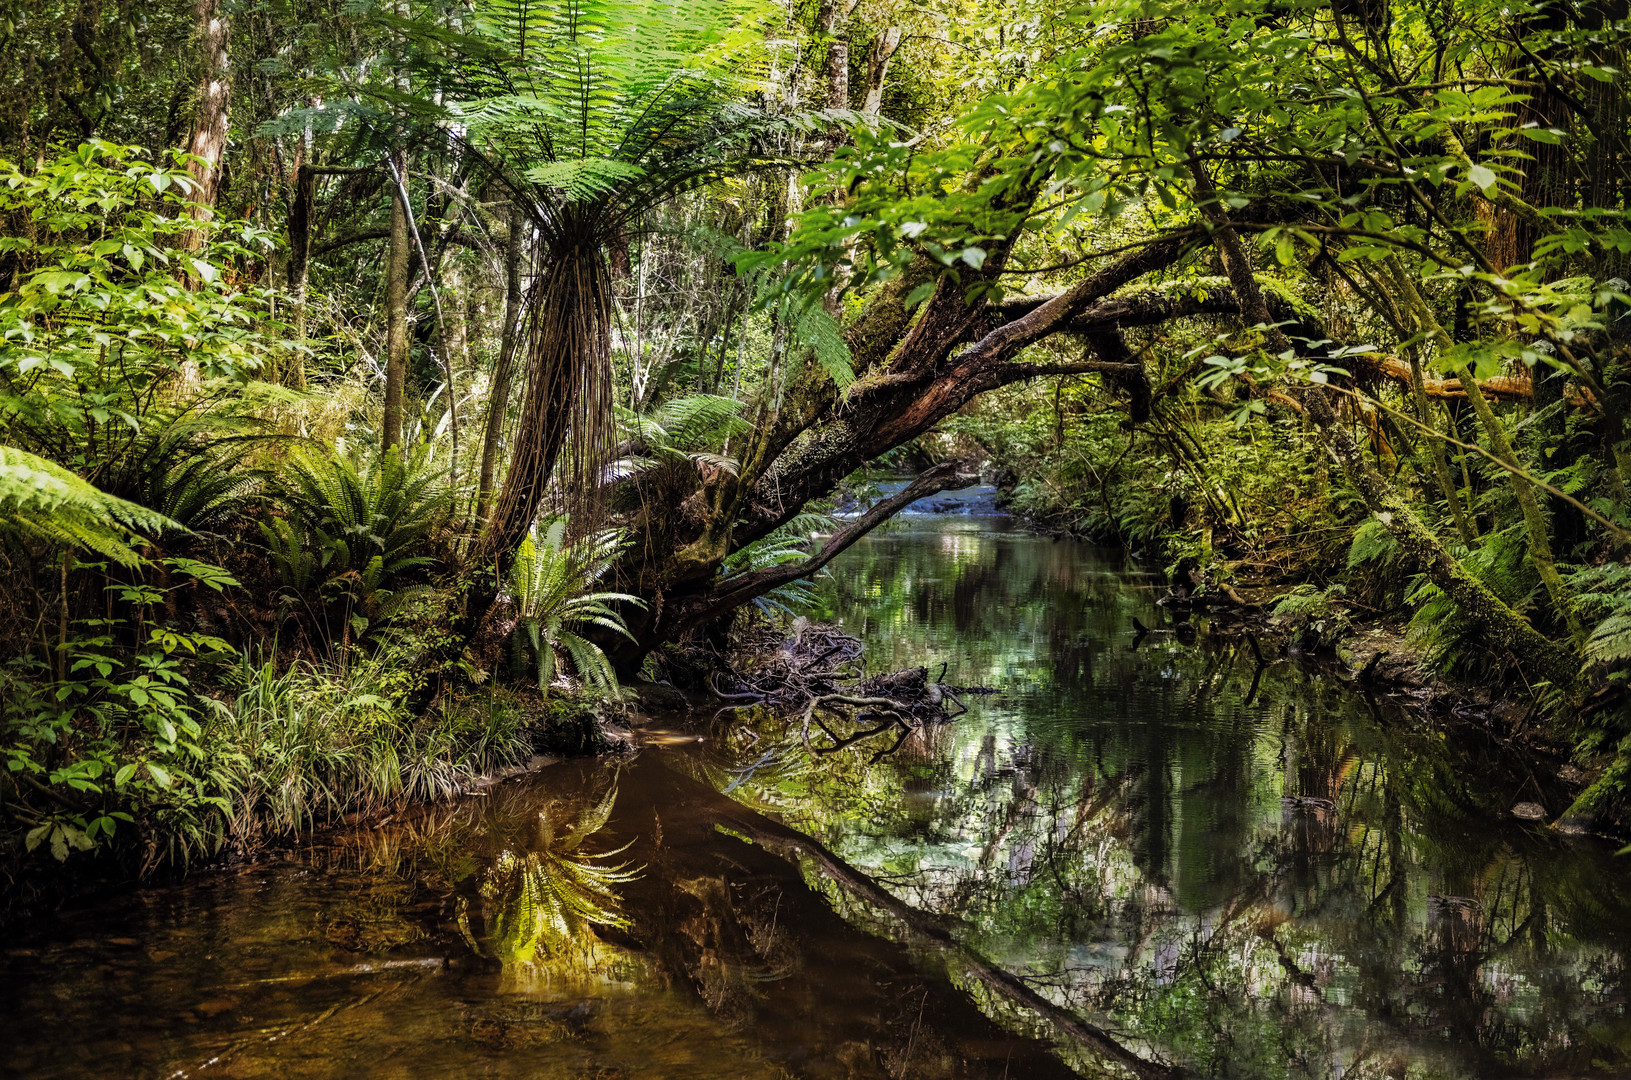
x: 815, y: 677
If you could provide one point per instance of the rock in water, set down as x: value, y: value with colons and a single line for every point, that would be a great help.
x: 1529, y: 811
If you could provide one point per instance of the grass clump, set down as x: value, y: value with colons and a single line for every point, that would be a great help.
x: 309, y: 744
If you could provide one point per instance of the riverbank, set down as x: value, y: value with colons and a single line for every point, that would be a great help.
x: 284, y: 753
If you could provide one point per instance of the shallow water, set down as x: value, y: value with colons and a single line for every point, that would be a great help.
x: 1241, y: 868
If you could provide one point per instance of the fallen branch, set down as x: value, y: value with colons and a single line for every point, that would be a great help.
x: 809, y: 677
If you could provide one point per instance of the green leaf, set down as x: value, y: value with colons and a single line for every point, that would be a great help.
x: 204, y: 271
x: 1481, y: 175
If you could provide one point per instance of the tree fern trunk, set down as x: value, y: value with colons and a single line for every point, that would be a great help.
x: 567, y: 404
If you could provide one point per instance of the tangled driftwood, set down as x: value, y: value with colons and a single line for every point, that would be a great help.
x: 816, y: 675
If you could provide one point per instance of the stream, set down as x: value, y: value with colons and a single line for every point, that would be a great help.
x: 1237, y: 868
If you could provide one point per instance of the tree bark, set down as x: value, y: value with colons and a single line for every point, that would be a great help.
x: 833, y: 17
x: 498, y: 397
x: 567, y: 397
x: 883, y: 49
x: 208, y: 140
x: 396, y: 312
x: 300, y: 228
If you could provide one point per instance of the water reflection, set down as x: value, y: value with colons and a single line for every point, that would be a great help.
x: 508, y: 935
x: 544, y: 901
x: 1243, y: 868
x: 1256, y: 871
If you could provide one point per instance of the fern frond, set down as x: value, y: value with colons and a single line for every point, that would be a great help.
x: 43, y: 501
x: 1610, y: 641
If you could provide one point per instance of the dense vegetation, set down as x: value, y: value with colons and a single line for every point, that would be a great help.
x: 377, y: 378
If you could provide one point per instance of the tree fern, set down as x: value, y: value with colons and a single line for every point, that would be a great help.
x: 594, y: 112
x: 42, y: 501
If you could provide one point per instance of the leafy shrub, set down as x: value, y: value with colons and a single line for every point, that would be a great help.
x: 115, y: 738
x: 112, y: 325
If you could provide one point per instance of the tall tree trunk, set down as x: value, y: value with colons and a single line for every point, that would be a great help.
x: 396, y: 311
x: 498, y: 398
x: 1545, y: 176
x: 833, y: 16
x: 300, y: 227
x: 208, y: 140
x: 883, y: 49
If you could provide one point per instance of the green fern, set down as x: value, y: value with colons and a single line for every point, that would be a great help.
x: 1610, y: 641
x: 1605, y: 592
x: 1453, y: 642
x: 1373, y: 543
x: 552, y: 583
x: 820, y: 332
x: 787, y: 544
x: 42, y: 501
x: 388, y: 506
x: 689, y: 428
x: 357, y: 526
x: 1314, y: 616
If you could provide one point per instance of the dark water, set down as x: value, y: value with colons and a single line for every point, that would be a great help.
x: 1241, y: 868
